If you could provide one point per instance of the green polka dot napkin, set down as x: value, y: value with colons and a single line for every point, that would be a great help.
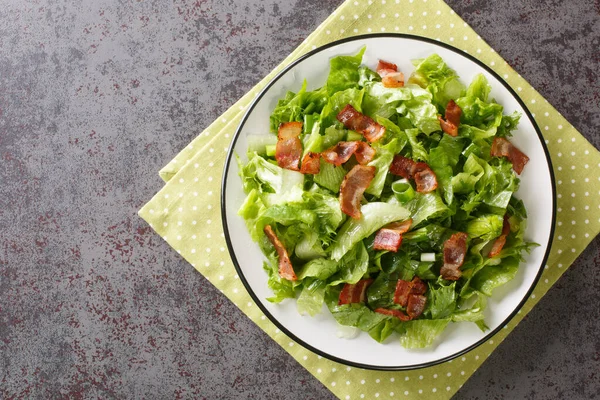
x: 186, y: 211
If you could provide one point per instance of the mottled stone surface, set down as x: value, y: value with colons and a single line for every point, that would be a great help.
x: 96, y: 96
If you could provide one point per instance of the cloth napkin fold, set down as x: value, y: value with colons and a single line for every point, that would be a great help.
x: 186, y: 212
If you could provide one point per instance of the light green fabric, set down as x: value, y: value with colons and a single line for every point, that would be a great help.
x: 186, y: 211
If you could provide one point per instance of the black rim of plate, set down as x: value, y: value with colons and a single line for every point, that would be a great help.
x: 230, y: 153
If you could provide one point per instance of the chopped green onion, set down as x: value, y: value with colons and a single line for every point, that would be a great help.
x: 270, y: 150
x: 403, y: 190
x: 427, y: 257
x: 354, y: 136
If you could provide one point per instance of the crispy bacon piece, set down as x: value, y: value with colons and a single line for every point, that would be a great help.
x: 453, y: 113
x: 360, y: 123
x: 353, y: 186
x: 455, y: 249
x: 390, y: 236
x: 311, y: 163
x: 419, y: 171
x: 497, y: 247
x: 448, y: 127
x: 503, y: 148
x: 425, y: 178
x: 409, y: 295
x: 288, y: 153
x: 384, y: 68
x: 286, y: 271
x: 416, y: 305
x: 289, y: 130
x: 288, y: 149
x: 402, y: 166
x: 393, y: 80
x: 418, y: 286
x: 364, y: 153
x: 354, y: 293
x: 400, y: 226
x: 452, y: 119
x: 393, y: 313
x: 405, y: 289
x: 402, y: 292
x: 387, y: 239
x: 340, y: 153
x: 501, y: 240
x: 390, y: 77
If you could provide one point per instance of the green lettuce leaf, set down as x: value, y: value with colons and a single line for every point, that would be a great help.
x: 464, y: 182
x: 486, y: 226
x: 442, y: 301
x: 365, y: 75
x: 311, y: 298
x: 352, y: 266
x: 473, y: 313
x: 320, y: 268
x: 421, y: 333
x: 427, y: 206
x: 264, y: 176
x: 418, y: 151
x: 443, y: 159
x: 385, y: 149
x: 381, y: 292
x: 440, y: 80
x: 330, y: 176
x: 343, y: 72
x: 282, y: 288
x: 374, y: 216
x: 336, y: 103
x: 492, y: 276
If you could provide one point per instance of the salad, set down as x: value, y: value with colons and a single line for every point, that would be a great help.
x: 390, y: 202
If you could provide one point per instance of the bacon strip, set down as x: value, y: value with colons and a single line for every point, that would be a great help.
x: 402, y: 166
x: 455, y: 249
x: 311, y: 163
x: 286, y: 271
x: 353, y: 186
x: 364, y: 153
x: 384, y: 68
x: 289, y: 130
x: 288, y: 149
x: 423, y: 175
x: 418, y: 286
x: 393, y: 80
x: 390, y: 236
x: 452, y: 120
x: 453, y: 113
x: 387, y: 239
x: 354, y: 293
x: 340, y: 153
x: 425, y: 178
x: 416, y: 305
x: 405, y: 289
x: 503, y: 148
x: 501, y: 240
x: 402, y: 292
x: 360, y: 123
x: 390, y: 76
x: 393, y: 313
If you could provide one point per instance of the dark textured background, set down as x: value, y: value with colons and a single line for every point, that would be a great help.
x: 96, y: 96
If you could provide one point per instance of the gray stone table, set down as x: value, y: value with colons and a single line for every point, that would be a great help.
x: 96, y: 96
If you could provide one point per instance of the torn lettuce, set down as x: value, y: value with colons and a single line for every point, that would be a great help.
x: 329, y: 250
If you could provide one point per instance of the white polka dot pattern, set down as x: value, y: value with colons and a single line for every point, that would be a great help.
x: 186, y: 213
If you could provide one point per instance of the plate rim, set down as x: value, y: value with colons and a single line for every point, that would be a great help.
x: 257, y: 300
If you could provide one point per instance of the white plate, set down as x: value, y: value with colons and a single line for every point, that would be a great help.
x: 319, y: 333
